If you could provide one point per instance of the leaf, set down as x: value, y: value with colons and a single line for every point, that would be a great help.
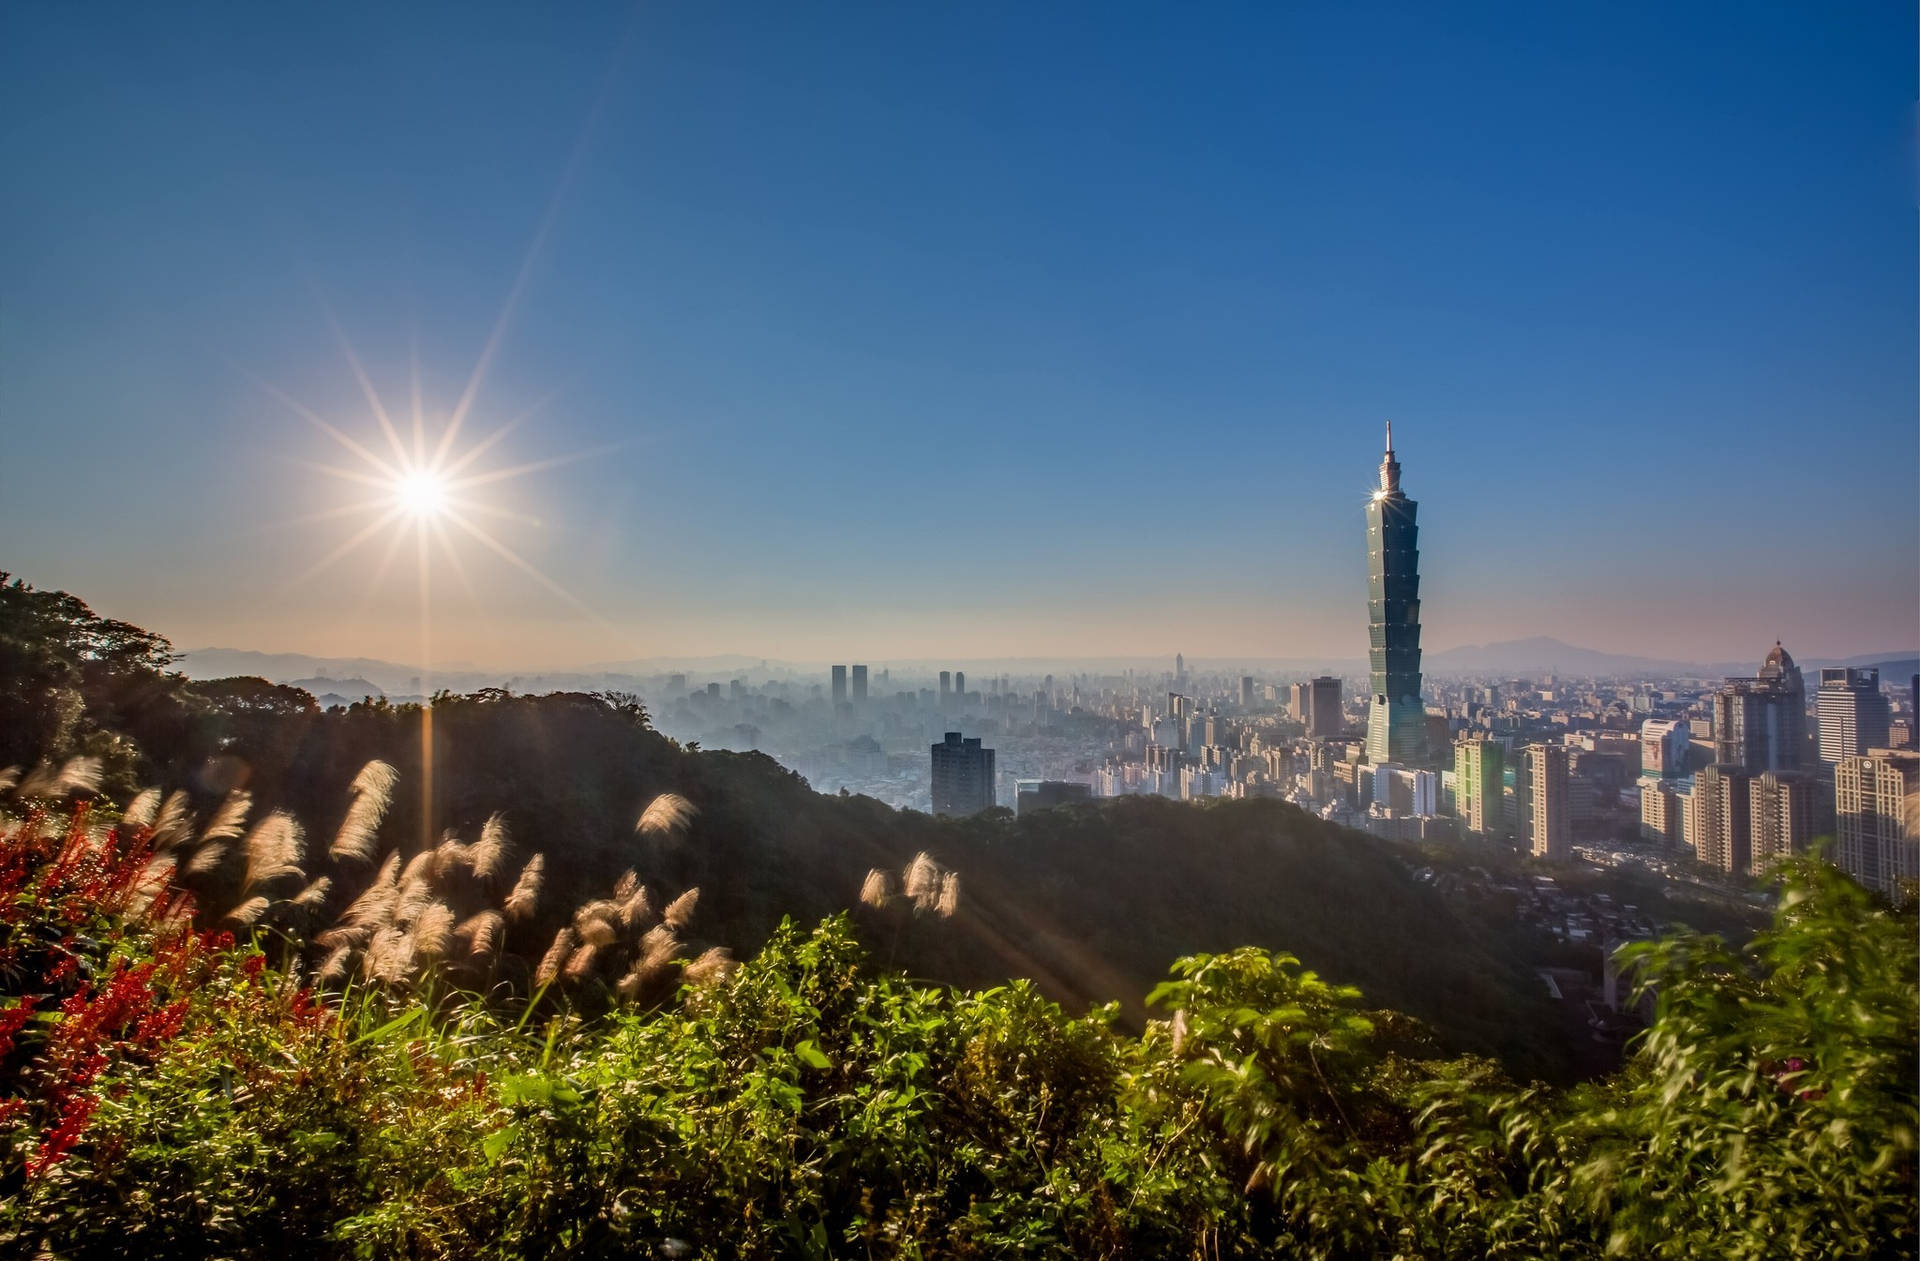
x: 812, y: 1056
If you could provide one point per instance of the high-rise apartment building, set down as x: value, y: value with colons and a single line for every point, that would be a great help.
x: 1877, y: 820
x: 1760, y: 724
x: 962, y: 776
x: 859, y: 685
x: 1299, y: 701
x: 1396, y: 718
x: 1662, y: 813
x: 1551, y: 833
x: 1854, y: 716
x: 839, y: 686
x: 1720, y: 818
x: 1323, y: 706
x: 1479, y: 780
x: 1781, y: 817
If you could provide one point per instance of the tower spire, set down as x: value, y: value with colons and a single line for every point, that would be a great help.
x: 1389, y: 467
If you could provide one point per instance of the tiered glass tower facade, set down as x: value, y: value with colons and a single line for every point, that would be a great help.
x: 1396, y: 718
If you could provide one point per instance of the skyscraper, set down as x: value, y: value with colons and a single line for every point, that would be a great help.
x: 946, y: 689
x: 1396, y: 718
x: 1877, y: 807
x: 1853, y: 714
x: 839, y: 686
x: 1246, y: 691
x: 1548, y: 801
x: 859, y: 685
x: 1760, y: 724
x: 962, y: 776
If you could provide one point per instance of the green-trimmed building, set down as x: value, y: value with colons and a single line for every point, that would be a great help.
x: 1396, y: 717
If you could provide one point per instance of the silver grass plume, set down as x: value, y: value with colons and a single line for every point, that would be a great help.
x: 247, y: 912
x: 637, y: 908
x: 557, y: 953
x: 949, y: 900
x: 414, y: 897
x: 432, y: 930
x: 582, y: 961
x: 230, y: 820
x: 623, y: 888
x: 140, y: 812
x: 390, y: 957
x: 314, y: 894
x: 154, y: 881
x: 375, y: 906
x: 372, y: 791
x: 450, y: 855
x: 658, y: 946
x: 174, y: 824
x: 595, y: 922
x: 666, y: 814
x: 76, y: 774
x: 417, y: 867
x: 525, y: 896
x: 207, y: 858
x: 922, y: 880
x: 631, y: 984
x: 679, y: 912
x: 336, y: 965
x: 491, y: 850
x: 877, y: 889
x: 9, y: 777
x: 482, y: 932
x: 273, y: 850
x: 713, y: 966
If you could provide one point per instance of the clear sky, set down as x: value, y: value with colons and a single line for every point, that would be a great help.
x: 902, y: 330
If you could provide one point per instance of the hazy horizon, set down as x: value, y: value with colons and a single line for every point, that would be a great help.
x: 964, y: 336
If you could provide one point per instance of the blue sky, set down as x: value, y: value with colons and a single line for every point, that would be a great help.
x: 1030, y: 330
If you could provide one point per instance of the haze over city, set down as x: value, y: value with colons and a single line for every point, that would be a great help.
x: 1005, y: 335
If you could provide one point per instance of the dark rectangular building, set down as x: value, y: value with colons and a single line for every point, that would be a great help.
x: 962, y: 776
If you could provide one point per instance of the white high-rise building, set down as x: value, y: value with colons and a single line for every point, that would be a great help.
x: 1853, y: 713
x: 1877, y: 813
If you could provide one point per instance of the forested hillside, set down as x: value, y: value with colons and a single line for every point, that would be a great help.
x: 1091, y: 902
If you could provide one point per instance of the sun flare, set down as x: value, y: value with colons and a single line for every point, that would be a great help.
x: 421, y: 492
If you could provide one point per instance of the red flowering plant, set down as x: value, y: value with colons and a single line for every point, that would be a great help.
x: 98, y: 966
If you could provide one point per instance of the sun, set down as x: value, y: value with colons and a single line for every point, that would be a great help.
x: 421, y: 493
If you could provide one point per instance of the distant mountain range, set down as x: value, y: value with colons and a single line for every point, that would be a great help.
x: 354, y: 677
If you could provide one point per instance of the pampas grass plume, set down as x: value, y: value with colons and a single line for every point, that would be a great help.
x: 372, y: 791
x: 679, y: 912
x: 877, y: 889
x: 556, y: 955
x: 140, y: 812
x: 666, y: 814
x: 525, y: 896
x: 490, y: 852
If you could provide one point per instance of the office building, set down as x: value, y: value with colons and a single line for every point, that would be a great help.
x: 1396, y: 718
x: 1323, y: 706
x: 1760, y: 724
x: 1479, y: 782
x: 1246, y: 691
x: 839, y: 686
x: 1663, y: 748
x: 962, y: 776
x: 1720, y: 818
x: 959, y: 687
x: 1854, y: 716
x: 859, y: 685
x: 1550, y: 834
x: 1781, y: 817
x: 946, y: 689
x: 1877, y: 820
x: 1299, y: 702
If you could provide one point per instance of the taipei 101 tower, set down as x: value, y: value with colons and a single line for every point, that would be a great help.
x: 1396, y: 718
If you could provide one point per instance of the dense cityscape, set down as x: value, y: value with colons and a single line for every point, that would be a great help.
x: 1726, y: 775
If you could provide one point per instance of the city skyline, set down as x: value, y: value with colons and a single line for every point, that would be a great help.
x: 808, y: 301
